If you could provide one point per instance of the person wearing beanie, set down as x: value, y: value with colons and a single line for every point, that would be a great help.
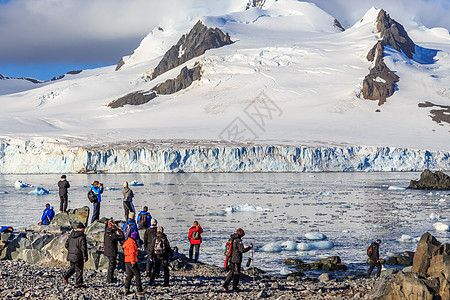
x: 131, y: 259
x: 373, y: 251
x: 129, y: 227
x: 195, y: 239
x: 234, y: 263
x: 127, y: 200
x: 77, y: 255
x: 63, y: 185
x: 160, y: 252
x: 149, y: 235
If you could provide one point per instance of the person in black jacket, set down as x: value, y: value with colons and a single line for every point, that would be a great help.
x: 63, y: 185
x: 77, y: 255
x: 149, y: 235
x: 160, y: 251
x: 374, y: 258
x: 234, y: 264
x: 112, y: 235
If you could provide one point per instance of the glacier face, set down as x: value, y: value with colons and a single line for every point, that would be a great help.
x: 42, y: 156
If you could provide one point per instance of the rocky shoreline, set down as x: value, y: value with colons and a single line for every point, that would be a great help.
x: 20, y: 280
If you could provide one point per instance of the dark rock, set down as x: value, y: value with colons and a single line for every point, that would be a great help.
x: 332, y: 263
x: 119, y: 64
x: 193, y: 44
x: 293, y: 261
x: 262, y: 294
x: 404, y: 261
x: 425, y: 249
x: 338, y: 25
x: 431, y: 181
x: 440, y: 114
x: 135, y: 98
x: 72, y: 217
x: 391, y: 261
x: 255, y: 3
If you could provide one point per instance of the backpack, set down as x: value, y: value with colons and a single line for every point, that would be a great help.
x: 228, y: 248
x: 160, y: 246
x: 195, y: 235
x: 127, y: 231
x: 92, y: 197
x: 370, y: 250
x: 143, y: 221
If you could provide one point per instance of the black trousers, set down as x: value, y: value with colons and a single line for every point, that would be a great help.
x: 165, y: 265
x: 77, y: 268
x: 149, y: 265
x: 133, y: 271
x: 127, y: 207
x: 63, y: 202
x: 96, y: 213
x: 111, y: 267
x: 235, y: 273
x: 194, y: 250
x: 372, y: 266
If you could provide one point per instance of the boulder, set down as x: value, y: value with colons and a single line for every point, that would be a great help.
x: 41, y: 240
x: 431, y: 181
x: 96, y: 260
x: 34, y: 256
x: 325, y: 277
x: 51, y: 229
x: 55, y: 246
x: 332, y: 263
x: 389, y: 272
x: 425, y: 249
x: 293, y: 261
x: 409, y: 286
x: 72, y: 217
x: 96, y: 231
x: 404, y: 260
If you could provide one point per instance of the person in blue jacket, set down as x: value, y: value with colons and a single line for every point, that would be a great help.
x: 97, y: 188
x: 129, y: 227
x: 47, y: 215
x: 144, y: 218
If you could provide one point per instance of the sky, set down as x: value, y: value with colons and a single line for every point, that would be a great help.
x: 43, y: 39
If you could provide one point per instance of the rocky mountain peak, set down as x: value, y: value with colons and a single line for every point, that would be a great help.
x: 255, y: 3
x: 394, y: 34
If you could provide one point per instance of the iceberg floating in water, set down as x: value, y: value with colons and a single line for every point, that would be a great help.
x: 289, y: 245
x: 19, y: 184
x: 439, y: 226
x: 272, y: 247
x: 408, y: 239
x: 246, y: 208
x: 304, y: 247
x: 136, y: 183
x: 3, y: 192
x: 396, y: 188
x: 323, y: 245
x: 111, y: 189
x: 315, y: 236
x: 39, y: 191
x: 434, y: 216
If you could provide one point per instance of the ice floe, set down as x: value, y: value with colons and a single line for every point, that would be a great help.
x: 39, y: 191
x: 3, y: 192
x: 289, y: 245
x: 315, y: 236
x: 408, y: 239
x: 439, y: 226
x: 271, y: 247
x: 396, y: 188
x: 434, y: 216
x: 136, y: 183
x: 19, y: 184
x: 246, y: 208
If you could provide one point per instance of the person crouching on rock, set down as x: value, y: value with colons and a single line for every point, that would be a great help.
x: 161, y: 251
x: 77, y: 255
x: 195, y: 239
x: 234, y: 264
x: 112, y: 235
x: 374, y: 255
x: 47, y: 215
x: 131, y: 261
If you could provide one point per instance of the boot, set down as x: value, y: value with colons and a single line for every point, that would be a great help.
x: 236, y: 283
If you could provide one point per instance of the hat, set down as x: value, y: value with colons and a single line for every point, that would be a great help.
x: 160, y: 229
x: 80, y: 226
x: 378, y: 241
x: 153, y: 222
x: 125, y: 184
x: 63, y: 176
x: 134, y: 235
x: 131, y: 215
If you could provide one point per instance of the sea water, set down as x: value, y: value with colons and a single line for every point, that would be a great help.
x: 350, y: 210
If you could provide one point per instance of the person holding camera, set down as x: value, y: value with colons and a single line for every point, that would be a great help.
x: 234, y: 264
x: 97, y: 189
x: 112, y: 235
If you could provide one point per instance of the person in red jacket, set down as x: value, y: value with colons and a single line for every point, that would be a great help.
x: 131, y: 259
x: 195, y: 238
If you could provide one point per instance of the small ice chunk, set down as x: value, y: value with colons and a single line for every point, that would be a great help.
x: 396, y: 188
x: 304, y: 247
x: 19, y: 184
x: 434, y: 216
x: 442, y: 200
x: 243, y: 208
x: 272, y: 247
x: 408, y: 239
x: 112, y: 189
x: 3, y: 192
x: 39, y: 191
x: 220, y: 213
x: 289, y: 245
x: 136, y: 183
x: 315, y: 236
x: 439, y: 226
x: 285, y: 271
x: 322, y: 245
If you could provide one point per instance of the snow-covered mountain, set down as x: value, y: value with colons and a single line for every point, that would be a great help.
x: 270, y: 73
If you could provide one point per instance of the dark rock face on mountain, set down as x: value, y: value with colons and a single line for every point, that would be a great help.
x: 431, y: 181
x: 119, y: 64
x: 429, y: 277
x: 440, y: 113
x: 255, y: 3
x: 338, y: 25
x: 394, y: 34
x: 170, y: 86
x: 68, y: 73
x: 380, y: 83
x: 193, y: 44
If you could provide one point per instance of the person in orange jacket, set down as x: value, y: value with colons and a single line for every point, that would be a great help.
x: 195, y: 239
x: 131, y: 259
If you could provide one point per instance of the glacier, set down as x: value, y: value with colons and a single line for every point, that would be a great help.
x: 40, y: 156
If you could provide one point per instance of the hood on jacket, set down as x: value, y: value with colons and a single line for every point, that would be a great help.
x: 76, y: 233
x: 235, y: 236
